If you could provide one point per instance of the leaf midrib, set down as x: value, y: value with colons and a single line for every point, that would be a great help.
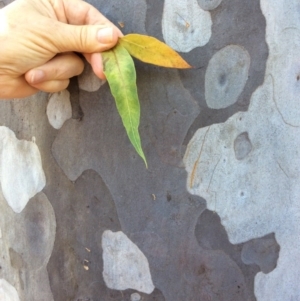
x: 124, y: 87
x: 137, y: 45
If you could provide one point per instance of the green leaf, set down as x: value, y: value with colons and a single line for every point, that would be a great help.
x: 120, y: 73
x: 150, y: 50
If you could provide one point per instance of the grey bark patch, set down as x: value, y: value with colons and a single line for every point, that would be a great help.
x: 226, y: 76
x: 83, y: 214
x: 5, y: 2
x: 37, y: 229
x: 73, y: 88
x: 211, y: 235
x: 242, y: 146
x: 262, y: 251
x: 132, y: 14
x: 154, y: 17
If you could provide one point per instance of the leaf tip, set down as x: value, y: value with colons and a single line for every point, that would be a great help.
x: 190, y: 66
x: 145, y: 161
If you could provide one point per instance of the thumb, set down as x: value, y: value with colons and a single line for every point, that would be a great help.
x: 84, y: 38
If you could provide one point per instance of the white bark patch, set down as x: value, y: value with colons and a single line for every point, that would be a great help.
x: 284, y: 65
x: 21, y: 172
x: 248, y: 168
x: 8, y: 292
x: 125, y: 266
x: 135, y: 297
x: 59, y: 108
x: 209, y: 4
x: 88, y: 80
x: 185, y: 25
x: 226, y: 76
x: 243, y: 177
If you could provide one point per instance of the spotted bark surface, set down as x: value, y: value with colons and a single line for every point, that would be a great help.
x: 214, y: 217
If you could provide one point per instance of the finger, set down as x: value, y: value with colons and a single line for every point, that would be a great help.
x: 95, y: 59
x: 93, y: 33
x: 77, y: 12
x: 84, y: 39
x: 61, y: 67
x: 15, y: 88
x: 53, y: 86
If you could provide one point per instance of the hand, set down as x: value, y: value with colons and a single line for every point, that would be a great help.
x: 38, y: 37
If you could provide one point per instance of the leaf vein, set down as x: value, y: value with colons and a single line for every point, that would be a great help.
x: 127, y: 99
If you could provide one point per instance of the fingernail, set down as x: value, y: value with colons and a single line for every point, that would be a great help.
x: 37, y: 76
x: 105, y: 35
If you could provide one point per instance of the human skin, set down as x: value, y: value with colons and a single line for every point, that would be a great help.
x: 39, y: 39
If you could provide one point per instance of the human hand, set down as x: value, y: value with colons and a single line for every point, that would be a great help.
x: 37, y: 39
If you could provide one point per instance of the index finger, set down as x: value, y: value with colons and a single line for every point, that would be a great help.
x: 78, y: 12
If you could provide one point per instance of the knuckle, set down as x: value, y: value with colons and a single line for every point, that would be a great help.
x: 83, y: 37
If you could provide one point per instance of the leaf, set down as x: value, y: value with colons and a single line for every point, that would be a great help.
x: 120, y: 73
x: 150, y: 50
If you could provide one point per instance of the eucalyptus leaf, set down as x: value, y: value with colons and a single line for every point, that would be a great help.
x: 152, y: 51
x: 120, y: 73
